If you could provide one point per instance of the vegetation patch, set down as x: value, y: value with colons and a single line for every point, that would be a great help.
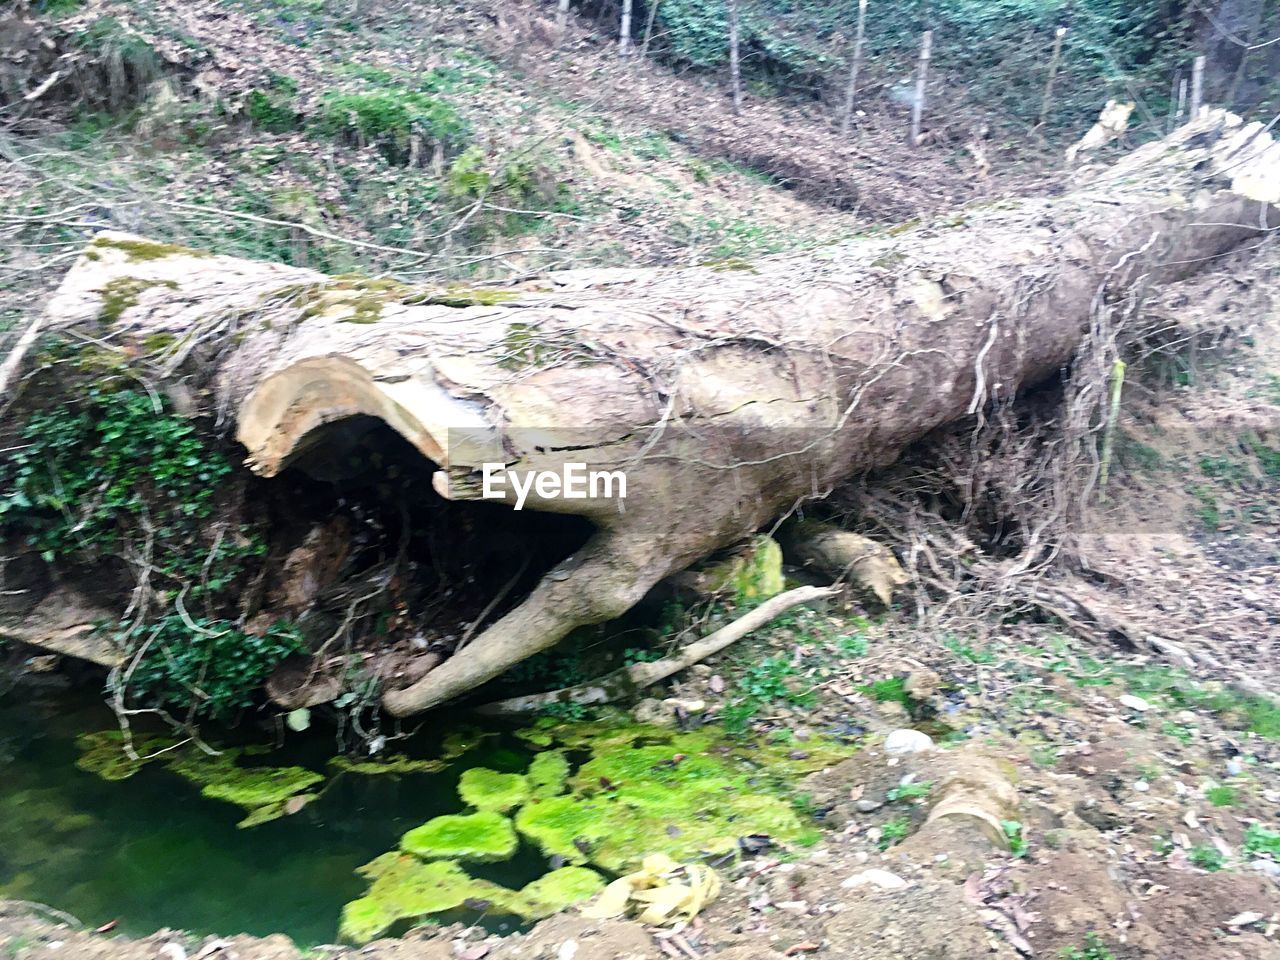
x: 487, y: 789
x: 683, y: 794
x: 559, y: 889
x: 389, y: 121
x: 405, y: 889
x: 483, y: 837
x: 391, y: 765
x: 142, y: 250
x: 122, y: 293
x: 548, y: 774
x: 263, y: 792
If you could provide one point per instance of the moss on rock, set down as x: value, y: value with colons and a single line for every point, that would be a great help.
x: 487, y: 789
x: 137, y: 250
x: 120, y: 294
x: 482, y: 837
x: 751, y: 575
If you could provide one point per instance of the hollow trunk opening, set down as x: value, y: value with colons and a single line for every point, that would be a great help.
x: 363, y: 548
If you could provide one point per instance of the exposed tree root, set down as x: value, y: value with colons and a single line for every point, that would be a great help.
x: 628, y: 681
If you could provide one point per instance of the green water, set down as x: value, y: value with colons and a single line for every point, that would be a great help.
x: 150, y: 852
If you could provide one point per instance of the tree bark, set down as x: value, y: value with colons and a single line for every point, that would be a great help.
x: 726, y: 395
x: 735, y: 57
x: 624, y: 28
x: 851, y: 90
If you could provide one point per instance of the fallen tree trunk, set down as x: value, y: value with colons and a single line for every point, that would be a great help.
x: 725, y: 394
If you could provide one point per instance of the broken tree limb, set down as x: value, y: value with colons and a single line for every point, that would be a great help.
x: 844, y: 555
x: 628, y: 681
x: 721, y: 395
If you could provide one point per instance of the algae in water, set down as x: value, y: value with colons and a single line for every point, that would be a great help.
x: 487, y: 789
x: 483, y: 837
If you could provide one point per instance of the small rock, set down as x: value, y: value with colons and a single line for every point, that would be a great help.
x: 1141, y: 786
x: 875, y: 878
x: 868, y: 805
x: 922, y: 684
x: 904, y: 741
x: 1269, y: 867
x: 690, y: 707
x: 654, y: 712
x: 1234, y: 767
x: 568, y: 950
x: 716, y: 683
x: 1134, y: 703
x: 1244, y: 919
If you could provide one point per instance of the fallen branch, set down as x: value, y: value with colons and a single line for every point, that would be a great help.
x: 629, y: 680
x: 9, y: 369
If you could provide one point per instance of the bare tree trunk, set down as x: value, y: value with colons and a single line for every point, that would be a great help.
x: 725, y: 397
x: 13, y: 362
x: 1055, y: 58
x: 648, y: 28
x: 735, y: 63
x: 922, y: 77
x: 1197, y: 86
x: 562, y: 15
x: 851, y: 91
x: 624, y: 29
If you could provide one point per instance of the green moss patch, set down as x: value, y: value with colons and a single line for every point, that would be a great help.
x: 264, y: 793
x: 642, y: 790
x: 750, y: 575
x: 386, y: 766
x: 122, y: 293
x: 482, y: 837
x: 407, y: 889
x: 548, y: 774
x: 103, y: 753
x: 462, y: 297
x: 136, y: 250
x: 558, y: 890
x: 487, y: 789
x: 687, y: 795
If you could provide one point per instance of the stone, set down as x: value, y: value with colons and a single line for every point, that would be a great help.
x: 905, y: 741
x: 922, y: 684
x: 882, y: 879
x: 656, y: 713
